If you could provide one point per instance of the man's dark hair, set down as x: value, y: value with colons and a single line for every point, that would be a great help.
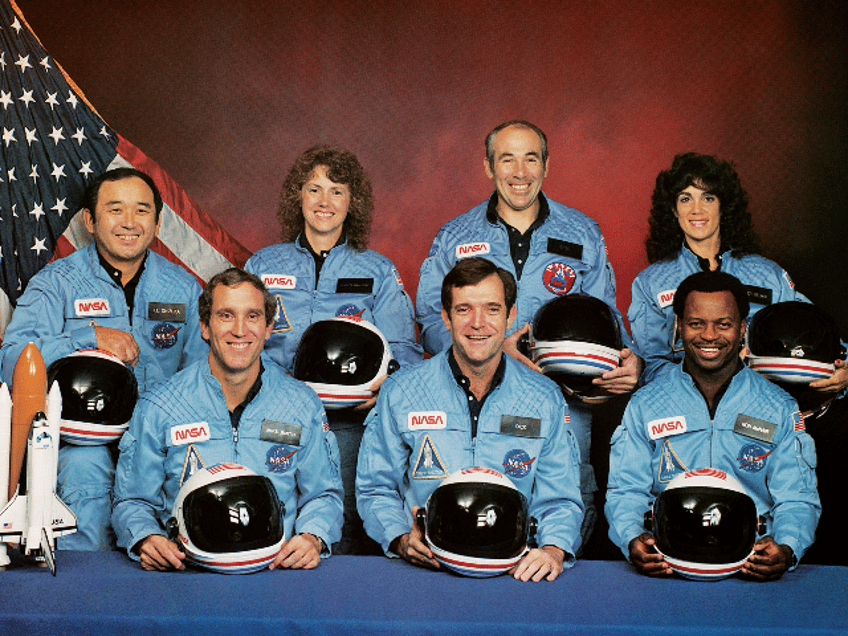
x: 232, y: 277
x: 518, y: 123
x: 470, y: 271
x: 711, y: 282
x: 342, y: 167
x: 705, y: 172
x: 92, y: 190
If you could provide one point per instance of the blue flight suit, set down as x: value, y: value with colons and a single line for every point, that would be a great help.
x: 365, y: 284
x: 404, y: 454
x: 58, y: 312
x: 567, y: 256
x: 667, y: 429
x: 155, y: 459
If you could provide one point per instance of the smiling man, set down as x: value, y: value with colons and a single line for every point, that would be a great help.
x: 487, y: 410
x: 549, y: 248
x: 248, y: 413
x: 712, y: 398
x: 118, y: 296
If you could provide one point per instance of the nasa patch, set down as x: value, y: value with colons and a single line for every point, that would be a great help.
x: 429, y: 420
x: 752, y: 458
x: 471, y: 249
x: 559, y: 277
x: 164, y: 335
x: 280, y: 458
x: 657, y: 429
x: 279, y: 281
x: 281, y: 319
x: 428, y: 464
x: 350, y: 310
x: 666, y: 298
x: 91, y: 307
x: 516, y: 463
x: 188, y: 433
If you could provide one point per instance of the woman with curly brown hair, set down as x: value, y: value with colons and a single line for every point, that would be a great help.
x: 700, y: 221
x: 322, y: 270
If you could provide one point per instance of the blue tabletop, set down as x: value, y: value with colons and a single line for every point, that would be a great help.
x: 98, y: 593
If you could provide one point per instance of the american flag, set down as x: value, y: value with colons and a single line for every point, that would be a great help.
x: 53, y: 142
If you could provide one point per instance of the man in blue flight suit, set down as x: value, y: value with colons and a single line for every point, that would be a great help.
x: 118, y: 296
x: 239, y: 410
x: 471, y: 406
x: 549, y: 248
x: 725, y: 416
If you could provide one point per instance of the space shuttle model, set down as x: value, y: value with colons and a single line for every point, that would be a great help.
x: 29, y: 436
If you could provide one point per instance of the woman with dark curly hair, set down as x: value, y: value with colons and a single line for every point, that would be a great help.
x: 700, y: 221
x: 322, y: 270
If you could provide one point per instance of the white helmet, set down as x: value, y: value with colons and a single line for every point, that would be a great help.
x: 228, y: 519
x: 477, y: 523
x: 705, y: 524
x: 340, y: 358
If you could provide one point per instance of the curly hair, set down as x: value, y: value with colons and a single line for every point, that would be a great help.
x: 342, y: 167
x: 707, y: 173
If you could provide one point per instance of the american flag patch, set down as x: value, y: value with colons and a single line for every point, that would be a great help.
x: 567, y: 418
x: 325, y: 424
x: 798, y: 421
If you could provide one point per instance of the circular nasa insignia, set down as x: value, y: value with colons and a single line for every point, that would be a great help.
x: 280, y: 458
x: 516, y: 463
x: 349, y: 310
x: 559, y: 277
x: 164, y: 335
x: 752, y: 458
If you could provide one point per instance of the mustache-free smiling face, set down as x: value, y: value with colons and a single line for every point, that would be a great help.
x: 711, y: 330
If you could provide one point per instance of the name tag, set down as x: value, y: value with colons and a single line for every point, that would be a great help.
x: 91, y: 307
x: 279, y: 281
x: 658, y: 429
x: 429, y: 420
x: 354, y: 285
x: 280, y: 433
x: 758, y: 295
x: 756, y: 429
x: 564, y: 248
x: 189, y: 433
x: 521, y: 426
x: 174, y: 312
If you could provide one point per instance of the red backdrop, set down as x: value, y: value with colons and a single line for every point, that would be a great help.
x: 225, y: 95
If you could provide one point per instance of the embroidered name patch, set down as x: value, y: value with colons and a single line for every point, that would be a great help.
x: 279, y: 281
x: 175, y: 312
x: 472, y: 249
x: 91, y: 307
x: 426, y: 420
x: 188, y: 433
x: 657, y: 429
x: 521, y: 426
x: 758, y: 295
x: 754, y: 428
x: 280, y: 432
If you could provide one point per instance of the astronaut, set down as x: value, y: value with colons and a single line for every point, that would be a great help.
x: 231, y: 407
x: 115, y: 295
x: 713, y: 411
x: 471, y: 406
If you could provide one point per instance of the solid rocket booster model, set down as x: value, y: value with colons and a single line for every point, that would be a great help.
x: 34, y: 515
